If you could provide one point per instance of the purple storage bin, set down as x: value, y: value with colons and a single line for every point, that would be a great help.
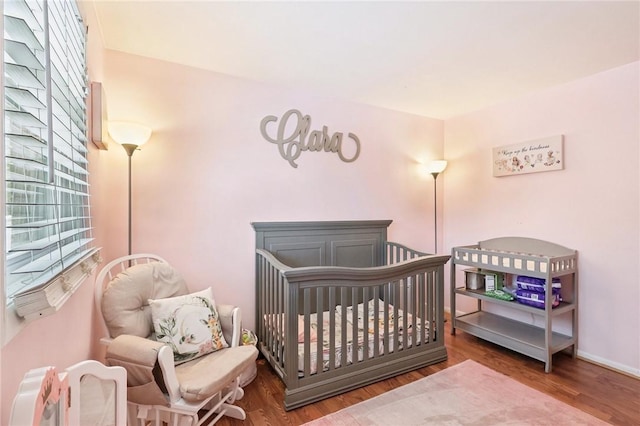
x: 536, y: 299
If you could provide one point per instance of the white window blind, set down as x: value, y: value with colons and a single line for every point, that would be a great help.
x: 48, y: 220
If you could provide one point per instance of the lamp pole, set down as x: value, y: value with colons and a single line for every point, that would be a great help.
x: 130, y: 148
x: 131, y: 136
x: 435, y: 211
x: 435, y: 168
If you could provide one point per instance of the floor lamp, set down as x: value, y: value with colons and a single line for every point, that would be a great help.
x: 435, y: 168
x: 131, y: 136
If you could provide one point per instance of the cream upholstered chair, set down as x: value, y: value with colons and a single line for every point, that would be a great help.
x: 159, y: 388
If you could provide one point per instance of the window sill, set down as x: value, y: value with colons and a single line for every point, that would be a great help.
x: 49, y: 299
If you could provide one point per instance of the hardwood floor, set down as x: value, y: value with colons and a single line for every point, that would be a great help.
x: 603, y: 393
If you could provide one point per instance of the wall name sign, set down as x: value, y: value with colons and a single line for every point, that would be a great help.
x: 293, y: 136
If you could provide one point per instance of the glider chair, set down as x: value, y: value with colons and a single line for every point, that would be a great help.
x: 181, y: 351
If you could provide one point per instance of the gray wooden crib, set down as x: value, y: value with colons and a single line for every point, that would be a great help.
x: 339, y: 307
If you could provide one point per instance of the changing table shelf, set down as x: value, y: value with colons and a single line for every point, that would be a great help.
x: 479, y: 294
x: 511, y: 334
x: 513, y: 256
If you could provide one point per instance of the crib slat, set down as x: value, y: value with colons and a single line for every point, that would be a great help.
x: 278, y: 310
x: 280, y: 334
x: 307, y: 337
x: 354, y: 325
x: 332, y: 328
x: 366, y: 337
x: 396, y: 296
x: 376, y: 321
x: 320, y: 330
x: 276, y: 330
x: 421, y: 308
x: 278, y: 347
x: 387, y: 296
x: 430, y: 308
x: 405, y: 310
x: 414, y: 311
x: 343, y: 327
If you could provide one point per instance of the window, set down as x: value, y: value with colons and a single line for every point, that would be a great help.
x: 48, y: 230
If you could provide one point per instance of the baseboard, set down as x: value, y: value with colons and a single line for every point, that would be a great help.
x: 602, y: 362
x: 593, y: 359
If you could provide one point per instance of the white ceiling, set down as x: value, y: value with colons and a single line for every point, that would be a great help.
x: 437, y: 59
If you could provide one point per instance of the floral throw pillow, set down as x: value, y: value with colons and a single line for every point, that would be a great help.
x: 189, y: 324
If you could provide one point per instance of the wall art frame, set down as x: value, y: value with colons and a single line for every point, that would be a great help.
x: 538, y: 155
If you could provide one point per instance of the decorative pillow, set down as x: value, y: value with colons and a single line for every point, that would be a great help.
x: 189, y: 324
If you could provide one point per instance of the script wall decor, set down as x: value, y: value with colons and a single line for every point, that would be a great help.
x: 293, y: 135
x: 540, y: 155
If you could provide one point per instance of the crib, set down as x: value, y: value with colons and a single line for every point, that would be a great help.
x: 339, y: 307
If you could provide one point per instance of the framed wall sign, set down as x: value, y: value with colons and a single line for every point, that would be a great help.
x: 539, y: 155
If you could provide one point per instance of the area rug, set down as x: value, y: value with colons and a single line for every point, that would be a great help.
x: 464, y: 394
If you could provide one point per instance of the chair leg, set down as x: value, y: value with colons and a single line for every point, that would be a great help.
x: 138, y: 414
x: 222, y: 405
x: 233, y: 411
x: 218, y: 406
x: 184, y: 420
x: 239, y: 393
x: 231, y: 394
x: 132, y: 415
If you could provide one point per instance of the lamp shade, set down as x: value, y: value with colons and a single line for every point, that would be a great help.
x: 437, y: 166
x: 125, y: 132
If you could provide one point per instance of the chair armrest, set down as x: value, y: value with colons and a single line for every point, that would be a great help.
x: 231, y: 322
x: 141, y: 357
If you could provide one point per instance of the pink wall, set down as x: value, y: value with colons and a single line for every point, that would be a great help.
x: 207, y: 172
x: 592, y: 205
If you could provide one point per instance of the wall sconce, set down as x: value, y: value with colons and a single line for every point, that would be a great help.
x: 435, y: 168
x: 131, y: 136
x: 97, y: 113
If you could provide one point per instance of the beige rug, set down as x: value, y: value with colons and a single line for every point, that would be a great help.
x: 464, y: 394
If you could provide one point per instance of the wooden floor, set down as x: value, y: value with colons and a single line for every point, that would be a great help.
x: 603, y: 393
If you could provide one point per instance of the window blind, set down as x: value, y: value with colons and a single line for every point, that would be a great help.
x: 48, y: 218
